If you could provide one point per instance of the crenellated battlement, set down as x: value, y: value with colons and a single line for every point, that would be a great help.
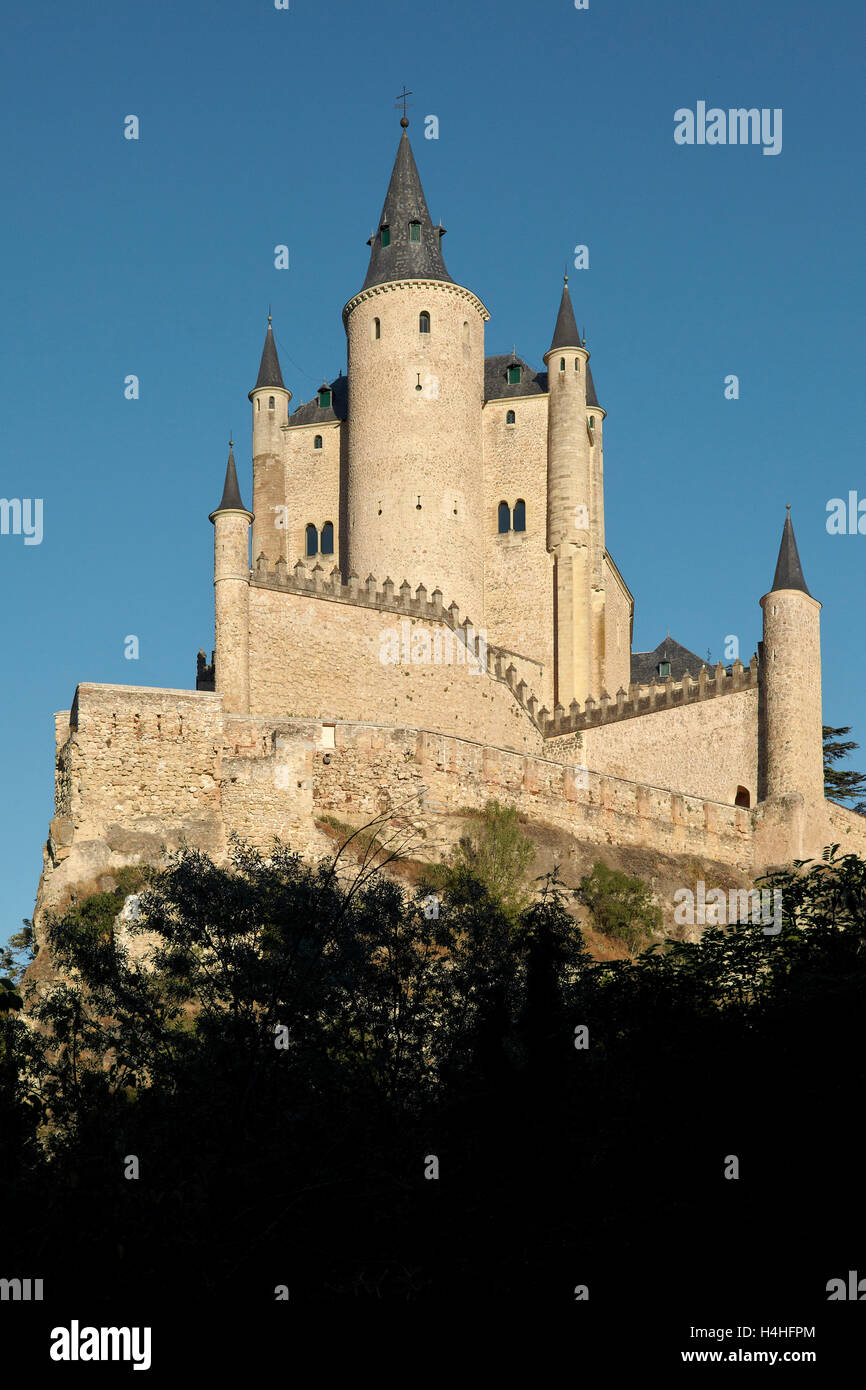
x: 637, y: 701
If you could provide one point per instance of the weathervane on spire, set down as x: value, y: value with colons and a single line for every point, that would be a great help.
x: 404, y: 119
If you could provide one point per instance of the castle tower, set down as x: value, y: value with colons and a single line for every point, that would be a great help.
x: 790, y: 675
x: 416, y: 389
x: 270, y: 403
x: 231, y: 522
x: 575, y: 522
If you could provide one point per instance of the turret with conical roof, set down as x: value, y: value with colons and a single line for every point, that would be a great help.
x: 231, y: 523
x: 270, y: 406
x: 416, y: 367
x: 575, y: 529
x: 790, y: 719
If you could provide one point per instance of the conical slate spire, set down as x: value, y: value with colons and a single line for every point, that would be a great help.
x: 231, y: 498
x: 789, y: 571
x: 269, y: 371
x: 591, y: 397
x: 565, y: 333
x: 403, y: 258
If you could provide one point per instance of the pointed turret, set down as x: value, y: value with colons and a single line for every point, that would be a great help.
x: 269, y: 369
x: 231, y: 498
x: 789, y: 571
x: 790, y: 744
x: 565, y: 334
x: 231, y: 539
x: 405, y: 245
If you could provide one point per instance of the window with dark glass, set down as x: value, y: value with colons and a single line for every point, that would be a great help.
x: 385, y: 236
x: 504, y: 518
x: 317, y: 442
x: 328, y: 538
x: 509, y: 417
x: 312, y: 540
x: 324, y: 397
x: 513, y: 376
x: 424, y: 322
x: 520, y: 515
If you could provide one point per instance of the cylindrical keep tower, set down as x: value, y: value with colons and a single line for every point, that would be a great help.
x: 270, y: 404
x: 416, y: 389
x: 569, y: 512
x: 598, y: 623
x: 231, y: 522
x: 790, y: 676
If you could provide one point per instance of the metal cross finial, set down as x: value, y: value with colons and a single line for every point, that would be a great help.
x: 404, y: 120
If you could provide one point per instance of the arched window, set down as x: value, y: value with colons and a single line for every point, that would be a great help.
x: 377, y: 329
x: 424, y: 322
x: 466, y: 332
x: 414, y: 231
x: 510, y: 417
x: 312, y: 540
x: 520, y: 515
x: 271, y: 402
x: 592, y: 422
x: 317, y: 442
x: 328, y: 538
x: 504, y: 518
x: 577, y: 364
x: 562, y: 364
x: 743, y: 798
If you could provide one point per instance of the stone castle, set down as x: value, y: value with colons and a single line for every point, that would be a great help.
x: 432, y: 617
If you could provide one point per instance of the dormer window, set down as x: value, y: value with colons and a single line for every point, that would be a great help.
x: 664, y: 669
x: 414, y: 231
x: 514, y: 375
x: 385, y: 236
x: 324, y: 397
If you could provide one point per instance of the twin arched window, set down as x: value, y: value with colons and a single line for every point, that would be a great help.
x: 424, y: 322
x: 327, y: 540
x: 509, y: 521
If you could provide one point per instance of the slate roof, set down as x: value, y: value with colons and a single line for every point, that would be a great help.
x: 789, y: 571
x: 565, y: 333
x: 314, y: 414
x: 269, y: 370
x: 405, y: 202
x: 231, y: 498
x: 591, y: 397
x: 496, y: 383
x: 644, y: 665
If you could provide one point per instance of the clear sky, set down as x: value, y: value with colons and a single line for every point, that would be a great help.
x: 261, y: 127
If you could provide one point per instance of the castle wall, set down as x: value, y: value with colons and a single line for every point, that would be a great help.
x: 707, y: 749
x: 310, y: 657
x: 518, y: 571
x: 372, y: 770
x: 617, y: 631
x: 312, y: 487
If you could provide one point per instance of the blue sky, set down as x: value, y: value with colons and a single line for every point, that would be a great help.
x: 259, y: 127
